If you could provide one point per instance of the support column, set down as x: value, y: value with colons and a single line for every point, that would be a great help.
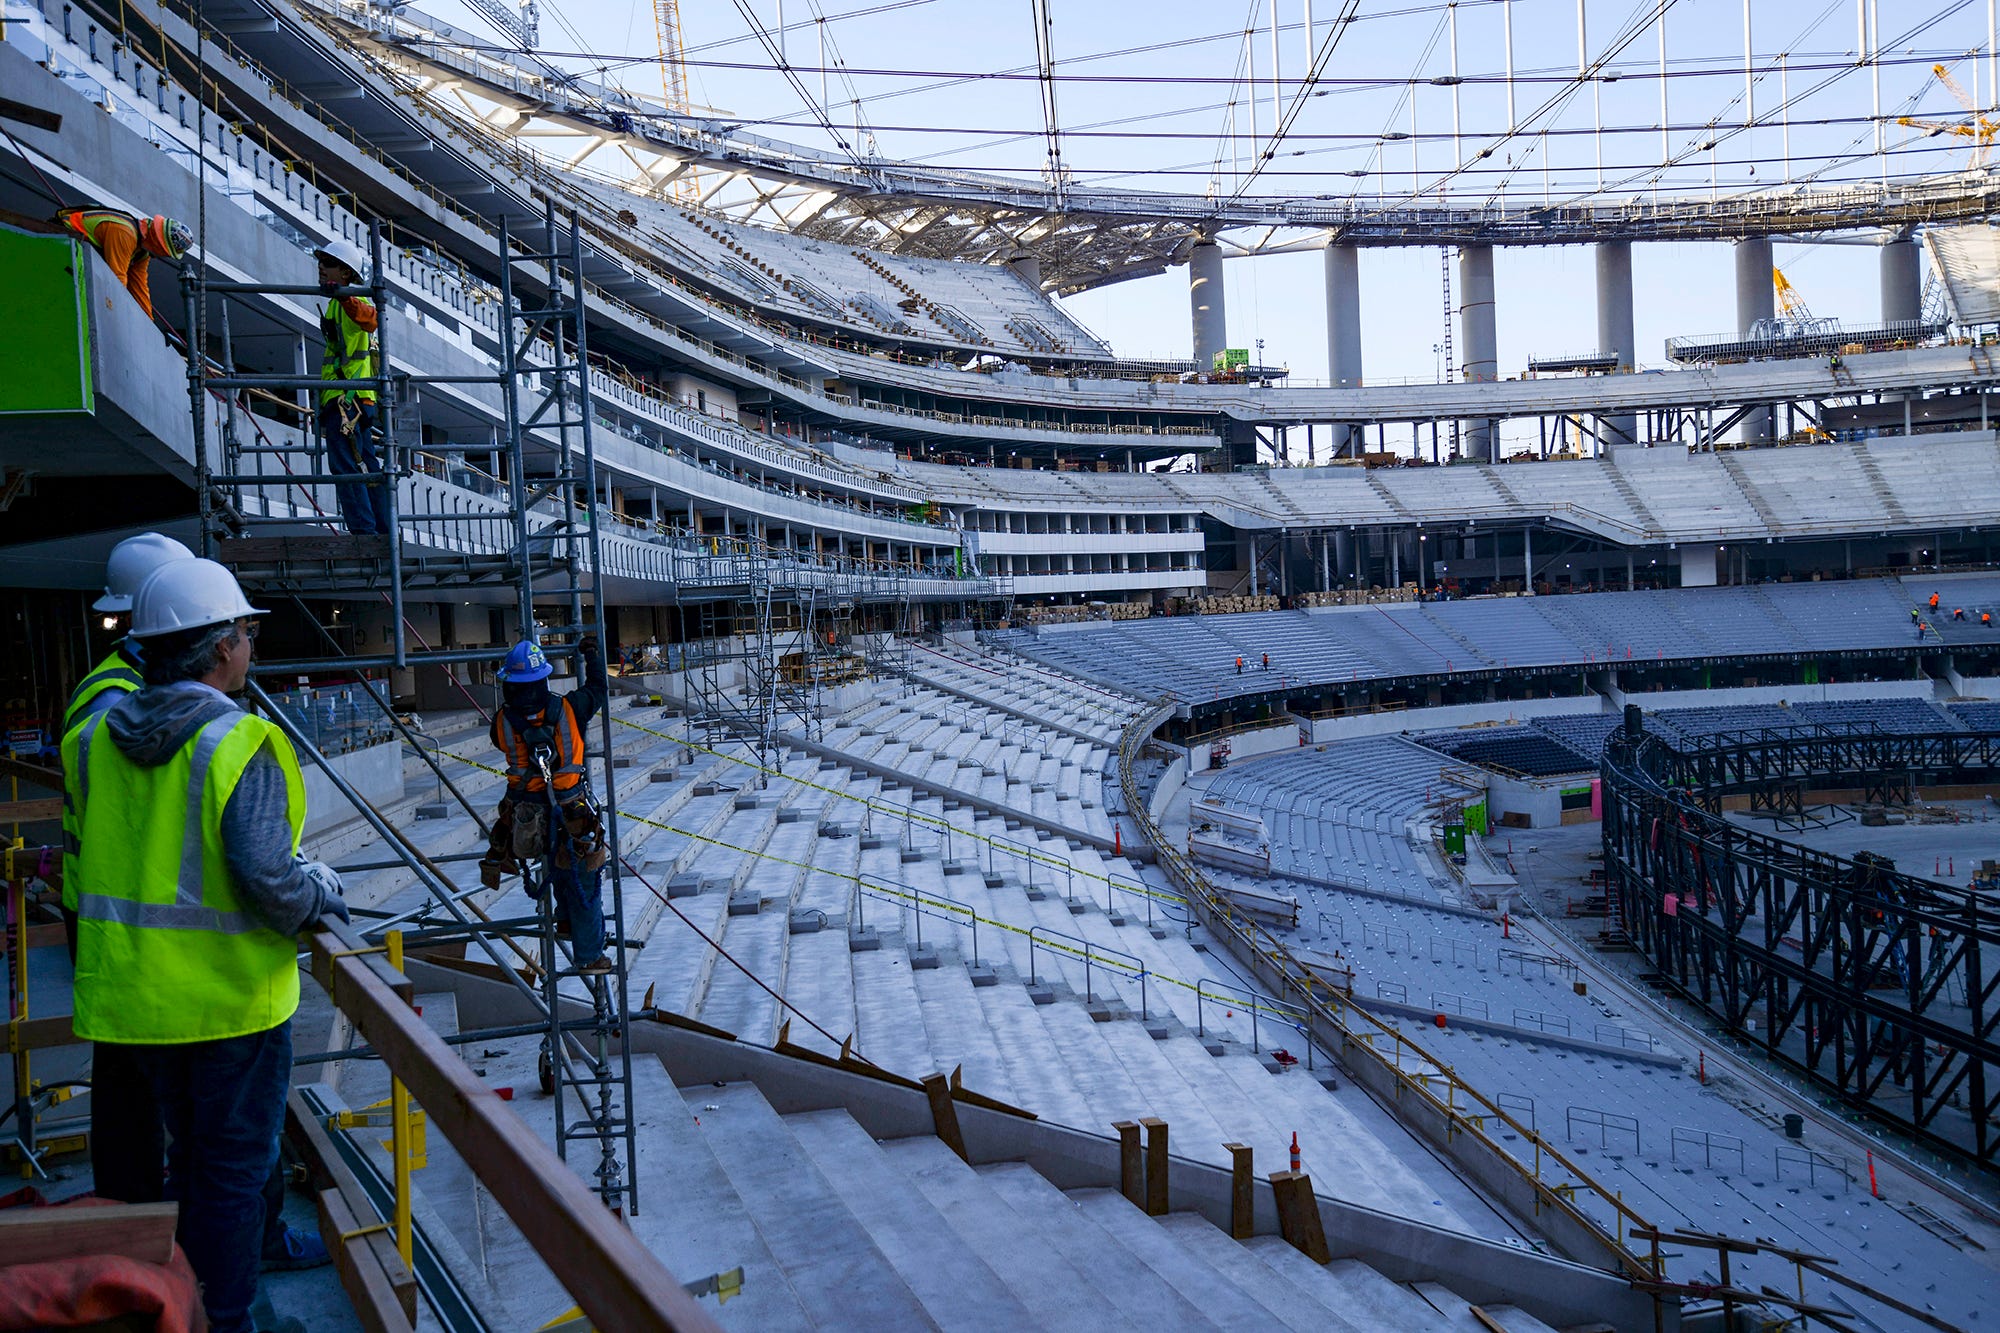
x: 1029, y: 267
x: 1902, y: 281
x: 1482, y: 356
x: 1755, y: 299
x: 1527, y: 560
x: 1343, y: 330
x: 1205, y: 302
x: 1614, y: 330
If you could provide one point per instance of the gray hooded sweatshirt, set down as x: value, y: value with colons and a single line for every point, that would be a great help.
x: 150, y: 726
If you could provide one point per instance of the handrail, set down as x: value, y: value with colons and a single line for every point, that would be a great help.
x: 1365, y: 1036
x: 595, y: 1257
x: 1090, y: 952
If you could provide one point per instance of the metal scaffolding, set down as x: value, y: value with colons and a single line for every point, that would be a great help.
x: 265, y: 517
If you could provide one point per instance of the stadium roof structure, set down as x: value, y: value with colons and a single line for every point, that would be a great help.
x: 1889, y: 168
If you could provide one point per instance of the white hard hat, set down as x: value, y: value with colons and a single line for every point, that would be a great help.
x: 188, y: 594
x: 131, y: 561
x: 342, y: 251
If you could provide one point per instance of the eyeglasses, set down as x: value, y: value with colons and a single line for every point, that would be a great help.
x: 249, y: 628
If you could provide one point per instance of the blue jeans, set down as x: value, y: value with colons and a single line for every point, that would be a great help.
x: 224, y: 1105
x: 363, y: 508
x: 580, y: 906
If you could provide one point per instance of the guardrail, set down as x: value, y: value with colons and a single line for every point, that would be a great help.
x: 1113, y: 960
x: 596, y: 1258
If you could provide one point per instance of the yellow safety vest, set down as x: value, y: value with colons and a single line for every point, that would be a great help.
x: 114, y: 674
x: 167, y: 952
x: 348, y: 353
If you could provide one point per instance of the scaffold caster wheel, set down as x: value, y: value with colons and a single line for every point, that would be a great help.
x: 545, y: 1070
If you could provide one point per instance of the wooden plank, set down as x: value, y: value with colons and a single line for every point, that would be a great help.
x: 330, y: 1173
x: 49, y: 935
x: 1298, y: 1215
x: 40, y: 1034
x: 1131, y: 1165
x: 377, y: 1304
x: 619, y: 1282
x: 35, y: 811
x: 140, y: 1231
x: 944, y: 1114
x: 1242, y: 1201
x: 10, y: 767
x: 1156, y: 1165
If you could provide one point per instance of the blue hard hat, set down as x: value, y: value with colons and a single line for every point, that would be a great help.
x: 525, y: 663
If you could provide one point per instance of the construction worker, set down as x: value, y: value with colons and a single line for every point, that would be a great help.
x: 1267, y: 661
x: 1934, y: 603
x: 190, y: 895
x: 347, y: 325
x: 547, y: 816
x: 129, y: 244
x: 1958, y: 613
x: 128, y: 1149
x: 1986, y: 619
x: 1239, y: 666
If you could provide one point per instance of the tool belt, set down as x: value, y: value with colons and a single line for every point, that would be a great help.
x: 521, y: 834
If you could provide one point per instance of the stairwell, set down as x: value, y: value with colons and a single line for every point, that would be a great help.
x: 1878, y: 483
x: 1630, y: 495
x: 1735, y: 471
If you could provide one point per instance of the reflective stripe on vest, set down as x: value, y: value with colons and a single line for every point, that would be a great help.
x: 521, y: 770
x: 347, y: 353
x: 94, y: 697
x: 167, y: 952
x: 85, y: 221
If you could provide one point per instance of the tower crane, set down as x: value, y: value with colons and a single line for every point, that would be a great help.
x: 1793, y: 319
x: 1978, y: 129
x: 673, y: 81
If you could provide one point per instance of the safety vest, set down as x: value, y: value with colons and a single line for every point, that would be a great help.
x: 347, y: 353
x: 522, y: 775
x: 166, y: 950
x: 85, y: 221
x: 109, y: 680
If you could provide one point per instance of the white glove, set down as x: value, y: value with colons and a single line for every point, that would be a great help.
x: 327, y: 880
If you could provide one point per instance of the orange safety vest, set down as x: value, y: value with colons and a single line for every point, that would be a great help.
x: 85, y: 221
x: 522, y: 774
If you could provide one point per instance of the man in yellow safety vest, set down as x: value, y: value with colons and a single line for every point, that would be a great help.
x: 190, y: 891
x: 347, y: 420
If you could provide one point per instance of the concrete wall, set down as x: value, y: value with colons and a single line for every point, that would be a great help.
x: 1540, y: 799
x: 376, y: 772
x: 1453, y: 715
x: 1773, y: 694
x: 1248, y: 745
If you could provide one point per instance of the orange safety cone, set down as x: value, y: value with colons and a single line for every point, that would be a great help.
x: 1872, y: 1189
x: 1701, y: 1070
x: 1295, y: 1155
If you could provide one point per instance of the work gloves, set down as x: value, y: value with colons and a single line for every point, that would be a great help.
x: 326, y: 880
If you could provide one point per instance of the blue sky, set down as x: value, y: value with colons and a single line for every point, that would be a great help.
x: 1156, y: 96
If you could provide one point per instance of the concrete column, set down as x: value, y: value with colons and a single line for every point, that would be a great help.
x: 1205, y: 302
x: 1902, y: 281
x: 1527, y: 559
x: 1614, y: 329
x: 1756, y: 299
x: 1482, y: 357
x: 1029, y: 267
x: 1343, y: 329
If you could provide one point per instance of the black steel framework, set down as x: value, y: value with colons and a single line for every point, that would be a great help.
x: 1878, y: 985
x: 552, y: 558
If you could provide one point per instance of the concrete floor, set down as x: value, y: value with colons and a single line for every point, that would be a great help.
x: 1944, y: 851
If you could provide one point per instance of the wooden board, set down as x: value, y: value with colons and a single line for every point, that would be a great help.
x: 141, y: 1231
x: 35, y: 811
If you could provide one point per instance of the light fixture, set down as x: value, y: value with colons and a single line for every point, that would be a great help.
x: 109, y: 622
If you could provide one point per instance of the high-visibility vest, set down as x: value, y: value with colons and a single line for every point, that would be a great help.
x: 348, y: 353
x: 522, y: 775
x: 85, y: 221
x: 167, y: 952
x: 108, y: 681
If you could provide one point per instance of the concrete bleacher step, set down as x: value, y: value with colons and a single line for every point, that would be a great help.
x: 1290, y: 1304
x: 1021, y: 1237
x: 1361, y: 1293
x: 957, y: 1287
x: 1461, y: 1314
x: 1192, y: 1275
x: 830, y: 1261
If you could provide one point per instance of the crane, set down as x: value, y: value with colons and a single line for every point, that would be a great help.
x: 1978, y: 129
x: 1793, y: 319
x: 673, y: 81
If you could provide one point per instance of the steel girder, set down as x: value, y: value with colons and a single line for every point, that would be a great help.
x: 1878, y: 985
